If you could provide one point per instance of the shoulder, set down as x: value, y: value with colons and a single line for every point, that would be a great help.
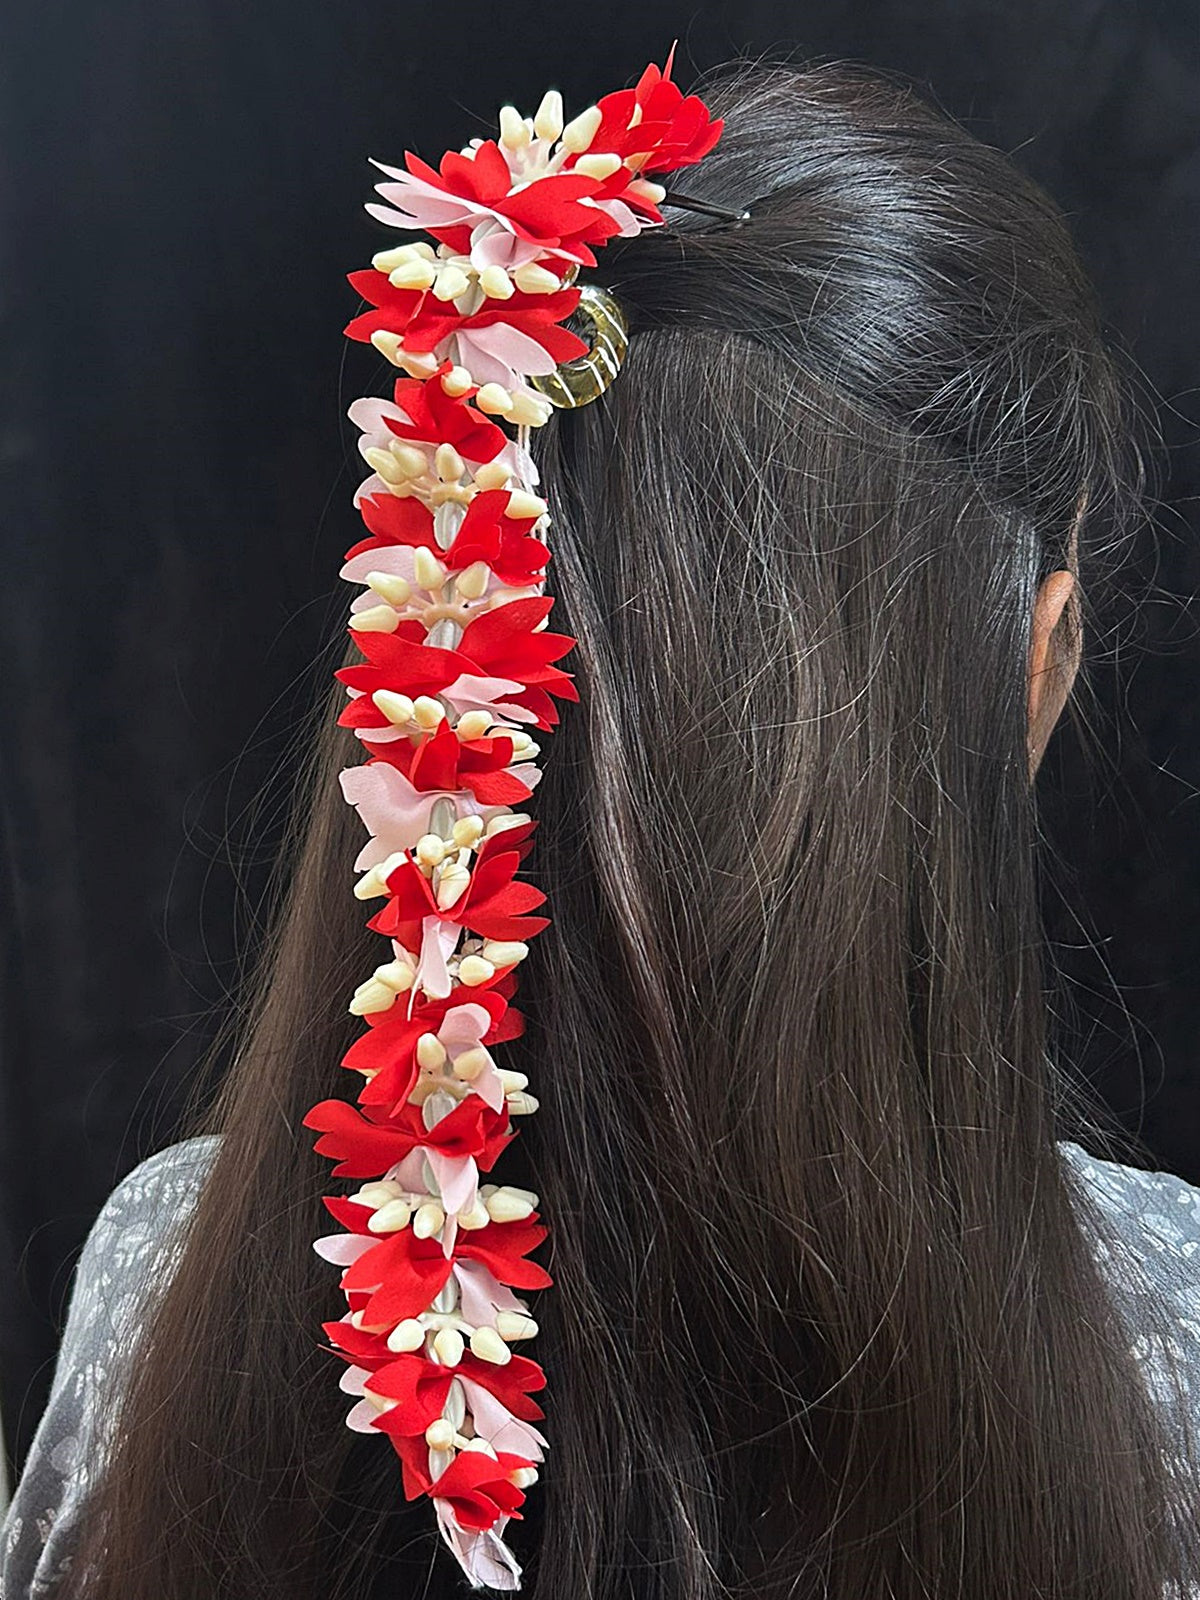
x: 128, y: 1251
x: 1144, y: 1229
x: 144, y: 1201
x: 1158, y: 1209
x: 135, y: 1234
x: 137, y: 1217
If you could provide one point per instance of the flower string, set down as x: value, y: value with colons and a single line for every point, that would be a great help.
x: 459, y: 674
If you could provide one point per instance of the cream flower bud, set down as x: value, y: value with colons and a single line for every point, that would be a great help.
x: 473, y: 725
x: 548, y: 119
x: 581, y: 130
x: 391, y: 1217
x: 398, y: 975
x: 495, y: 282
x: 504, y: 952
x: 468, y: 831
x: 430, y: 849
x: 388, y: 345
x: 375, y: 619
x: 514, y: 130
x: 373, y: 882
x: 515, y: 1325
x: 389, y: 260
x: 450, y: 282
x: 505, y: 1206
x: 475, y: 1216
x: 390, y: 586
x: 598, y: 166
x: 428, y: 570
x: 412, y: 275
x: 428, y: 712
x: 457, y: 381
x: 487, y: 1344
x: 495, y: 399
x: 370, y: 998
x: 470, y: 1063
x: 453, y: 879
x: 407, y: 1335
x: 521, y: 503
x: 450, y: 465
x: 472, y: 581
x: 448, y: 1344
x: 492, y: 475
x: 473, y: 970
x: 378, y: 1194
x: 397, y: 708
x: 431, y: 1052
x: 428, y: 1220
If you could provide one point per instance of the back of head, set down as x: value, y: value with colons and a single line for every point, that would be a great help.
x: 824, y: 1322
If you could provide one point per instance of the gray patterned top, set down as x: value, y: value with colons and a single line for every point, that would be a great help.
x: 1149, y: 1253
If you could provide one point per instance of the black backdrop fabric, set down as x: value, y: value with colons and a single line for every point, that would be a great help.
x: 182, y: 192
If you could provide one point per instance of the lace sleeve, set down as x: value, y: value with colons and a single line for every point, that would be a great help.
x: 1151, y: 1258
x: 130, y: 1243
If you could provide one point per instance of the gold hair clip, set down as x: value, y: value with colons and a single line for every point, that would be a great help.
x: 578, y: 382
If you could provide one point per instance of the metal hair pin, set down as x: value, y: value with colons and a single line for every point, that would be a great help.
x: 686, y: 203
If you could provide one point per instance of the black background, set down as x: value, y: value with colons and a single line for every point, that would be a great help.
x: 181, y: 196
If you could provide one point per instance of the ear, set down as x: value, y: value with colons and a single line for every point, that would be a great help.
x: 1050, y: 672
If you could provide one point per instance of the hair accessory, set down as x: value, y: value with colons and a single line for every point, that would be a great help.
x: 575, y: 383
x: 686, y: 203
x: 459, y: 672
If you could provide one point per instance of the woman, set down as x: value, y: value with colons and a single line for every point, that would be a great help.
x: 839, y: 1308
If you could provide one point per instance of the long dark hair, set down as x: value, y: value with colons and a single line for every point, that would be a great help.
x: 825, y: 1321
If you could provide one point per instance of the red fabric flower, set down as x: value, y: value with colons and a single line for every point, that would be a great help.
x: 402, y: 1274
x: 513, y: 1384
x: 505, y: 543
x: 487, y: 533
x: 478, y: 1489
x: 673, y: 130
x: 493, y: 904
x: 498, y: 643
x: 388, y: 1049
x: 550, y: 210
x: 367, y: 1146
x: 441, y: 418
x: 394, y: 519
x: 443, y: 761
x: 424, y: 321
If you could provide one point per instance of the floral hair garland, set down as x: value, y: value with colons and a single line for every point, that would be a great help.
x: 459, y: 668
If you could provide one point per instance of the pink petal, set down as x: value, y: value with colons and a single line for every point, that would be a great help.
x: 472, y: 692
x: 343, y: 1249
x: 464, y: 1026
x: 368, y: 414
x: 498, y: 247
x: 457, y: 1178
x: 438, y: 939
x: 516, y: 349
x: 398, y: 559
x: 496, y: 1423
x: 483, y: 1556
x: 410, y: 1172
x: 489, y: 1088
x: 361, y: 1417
x: 371, y: 486
x: 392, y: 811
x: 481, y: 1294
